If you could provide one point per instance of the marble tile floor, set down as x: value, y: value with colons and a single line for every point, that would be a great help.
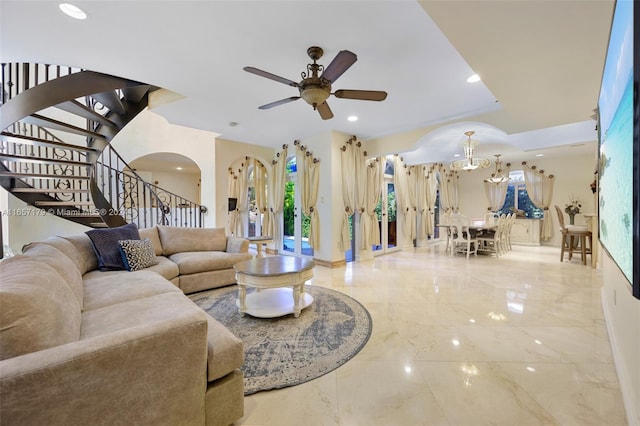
x: 515, y: 340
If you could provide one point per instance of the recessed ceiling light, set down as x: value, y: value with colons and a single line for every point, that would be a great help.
x: 473, y: 79
x: 456, y: 155
x: 233, y: 123
x: 178, y: 168
x: 352, y: 118
x: 73, y: 11
x: 539, y: 155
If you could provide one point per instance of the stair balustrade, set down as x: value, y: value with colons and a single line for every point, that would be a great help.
x: 55, y: 151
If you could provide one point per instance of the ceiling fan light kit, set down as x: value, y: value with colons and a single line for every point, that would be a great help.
x: 315, y: 88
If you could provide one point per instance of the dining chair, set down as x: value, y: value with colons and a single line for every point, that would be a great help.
x: 462, y: 240
x: 574, y: 237
x: 492, y: 241
x: 509, y: 226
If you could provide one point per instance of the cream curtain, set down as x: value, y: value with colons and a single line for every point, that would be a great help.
x: 275, y: 196
x: 243, y: 197
x: 540, y: 190
x: 369, y: 219
x: 431, y: 190
x: 402, y: 182
x: 496, y: 194
x: 309, y: 178
x: 361, y: 189
x: 449, y: 197
x: 260, y: 185
x: 347, y: 163
x: 421, y: 201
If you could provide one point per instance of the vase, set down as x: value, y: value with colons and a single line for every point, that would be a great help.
x: 572, y: 219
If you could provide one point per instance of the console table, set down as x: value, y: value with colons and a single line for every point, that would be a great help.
x: 272, y: 276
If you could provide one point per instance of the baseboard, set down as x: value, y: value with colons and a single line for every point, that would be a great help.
x: 330, y: 264
x: 633, y: 415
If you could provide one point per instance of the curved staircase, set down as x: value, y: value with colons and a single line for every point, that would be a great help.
x: 57, y: 124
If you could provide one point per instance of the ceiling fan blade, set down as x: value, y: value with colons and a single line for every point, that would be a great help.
x: 339, y: 65
x: 325, y: 111
x: 280, y: 102
x: 363, y: 95
x: 270, y: 76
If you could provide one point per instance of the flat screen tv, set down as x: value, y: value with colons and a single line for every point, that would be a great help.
x: 619, y: 158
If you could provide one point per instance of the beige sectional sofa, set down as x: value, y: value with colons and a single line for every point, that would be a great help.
x: 82, y: 346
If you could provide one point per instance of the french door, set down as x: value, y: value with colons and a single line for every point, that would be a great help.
x: 295, y: 238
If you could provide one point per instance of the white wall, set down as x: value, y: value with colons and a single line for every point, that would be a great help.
x: 622, y: 314
x: 25, y: 224
x: 186, y: 185
x: 149, y: 133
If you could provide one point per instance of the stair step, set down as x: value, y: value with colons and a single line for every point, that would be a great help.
x: 63, y: 203
x: 50, y: 190
x: 38, y: 160
x: 28, y: 140
x: 42, y: 176
x: 111, y: 100
x: 50, y: 123
x: 75, y: 107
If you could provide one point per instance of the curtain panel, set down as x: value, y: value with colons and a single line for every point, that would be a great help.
x: 260, y: 185
x: 401, y: 182
x: 369, y: 219
x: 540, y: 190
x: 347, y: 167
x: 275, y: 196
x: 309, y: 179
x: 431, y: 190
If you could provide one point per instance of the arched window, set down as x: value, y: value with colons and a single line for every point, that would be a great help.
x: 518, y: 198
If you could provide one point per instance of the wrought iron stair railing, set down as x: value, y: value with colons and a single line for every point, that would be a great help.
x: 57, y: 124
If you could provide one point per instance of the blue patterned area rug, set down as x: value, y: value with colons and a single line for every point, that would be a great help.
x: 287, y: 351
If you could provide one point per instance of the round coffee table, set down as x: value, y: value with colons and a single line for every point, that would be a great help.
x: 279, y: 281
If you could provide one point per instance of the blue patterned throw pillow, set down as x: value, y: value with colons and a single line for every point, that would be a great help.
x: 137, y: 254
x: 106, y: 247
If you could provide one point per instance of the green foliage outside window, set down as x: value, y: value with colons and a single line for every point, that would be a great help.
x: 391, y: 207
x: 521, y: 202
x: 288, y: 211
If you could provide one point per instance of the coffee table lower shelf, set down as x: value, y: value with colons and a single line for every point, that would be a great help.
x: 273, y: 302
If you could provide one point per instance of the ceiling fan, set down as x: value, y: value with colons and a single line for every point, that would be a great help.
x: 315, y: 89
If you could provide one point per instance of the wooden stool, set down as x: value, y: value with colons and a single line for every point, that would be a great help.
x: 568, y: 243
x: 569, y: 234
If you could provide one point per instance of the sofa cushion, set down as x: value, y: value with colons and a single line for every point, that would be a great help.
x: 39, y: 310
x: 112, y: 287
x: 84, y: 246
x: 105, y: 245
x: 61, y: 263
x: 135, y: 313
x: 225, y: 351
x: 152, y: 234
x: 192, y: 262
x: 177, y: 240
x: 67, y: 246
x: 166, y: 268
x: 137, y: 254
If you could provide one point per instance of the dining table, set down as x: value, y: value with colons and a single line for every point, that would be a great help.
x: 479, y: 226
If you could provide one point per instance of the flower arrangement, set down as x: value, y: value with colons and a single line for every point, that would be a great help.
x: 573, y: 208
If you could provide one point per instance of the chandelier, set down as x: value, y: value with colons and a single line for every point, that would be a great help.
x: 497, y: 176
x: 469, y: 162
